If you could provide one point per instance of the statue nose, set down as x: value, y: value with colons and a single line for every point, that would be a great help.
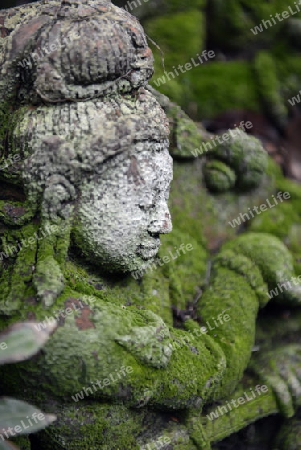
x: 160, y: 220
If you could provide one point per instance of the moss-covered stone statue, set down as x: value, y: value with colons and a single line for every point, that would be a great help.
x: 85, y: 176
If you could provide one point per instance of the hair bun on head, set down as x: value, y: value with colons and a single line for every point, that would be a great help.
x: 76, y: 50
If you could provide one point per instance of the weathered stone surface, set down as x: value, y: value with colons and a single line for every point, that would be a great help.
x: 81, y: 214
x: 91, y: 48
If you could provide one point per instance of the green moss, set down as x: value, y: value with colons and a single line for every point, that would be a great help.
x: 289, y: 70
x: 15, y: 213
x: 231, y: 23
x: 245, y: 155
x: 204, y: 90
x: 180, y: 37
x: 206, y: 217
x: 276, y: 367
x: 16, y: 285
x: 187, y: 135
x: 191, y: 208
x: 283, y: 220
x: 115, y: 427
x: 108, y: 426
x: 218, y: 176
x: 277, y: 221
x: 222, y: 86
x: 231, y: 422
x: 22, y: 442
x: 140, y: 339
x: 186, y: 270
x: 243, y: 272
x: 289, y: 437
x: 174, y: 32
x: 272, y: 257
x: 229, y: 293
x: 269, y: 88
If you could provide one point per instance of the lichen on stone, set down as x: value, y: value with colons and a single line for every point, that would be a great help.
x: 94, y: 184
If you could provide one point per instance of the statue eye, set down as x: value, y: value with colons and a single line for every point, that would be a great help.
x: 146, y: 206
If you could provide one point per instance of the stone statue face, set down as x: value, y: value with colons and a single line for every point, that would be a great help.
x: 122, y: 212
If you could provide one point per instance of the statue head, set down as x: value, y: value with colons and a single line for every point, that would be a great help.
x: 101, y: 171
x: 122, y: 212
x: 96, y: 168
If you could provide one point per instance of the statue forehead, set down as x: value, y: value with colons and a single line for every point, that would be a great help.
x: 146, y: 165
x: 87, y: 136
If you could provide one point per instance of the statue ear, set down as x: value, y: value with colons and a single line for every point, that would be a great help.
x: 58, y: 199
x: 56, y: 215
x: 50, y: 175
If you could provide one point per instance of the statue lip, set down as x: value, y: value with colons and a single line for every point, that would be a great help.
x: 148, y: 251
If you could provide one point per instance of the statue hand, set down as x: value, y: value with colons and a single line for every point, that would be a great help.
x: 281, y: 369
x: 150, y: 344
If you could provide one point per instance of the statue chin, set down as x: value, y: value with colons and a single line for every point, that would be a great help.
x: 108, y: 261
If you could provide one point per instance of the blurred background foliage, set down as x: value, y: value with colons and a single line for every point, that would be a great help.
x: 253, y: 72
x: 251, y: 77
